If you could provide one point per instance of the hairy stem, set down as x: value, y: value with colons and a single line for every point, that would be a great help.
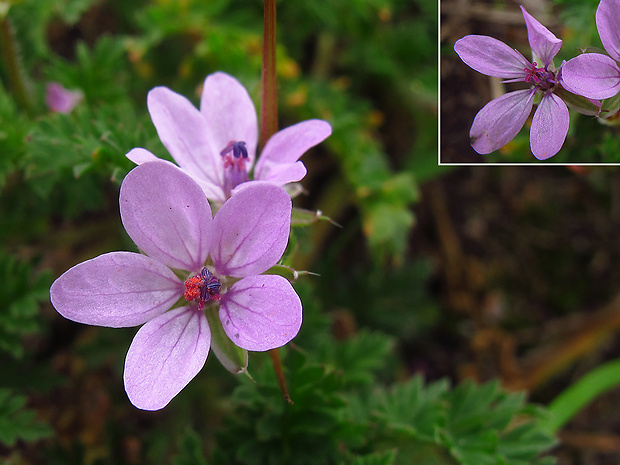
x: 12, y: 64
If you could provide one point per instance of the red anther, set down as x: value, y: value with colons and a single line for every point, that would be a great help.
x: 202, y: 287
x: 192, y: 288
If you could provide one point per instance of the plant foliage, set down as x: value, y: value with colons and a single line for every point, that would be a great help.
x: 17, y: 422
x: 23, y: 289
x: 338, y: 415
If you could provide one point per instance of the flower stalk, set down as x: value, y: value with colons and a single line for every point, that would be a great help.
x: 269, y: 80
x: 269, y: 126
x: 277, y: 366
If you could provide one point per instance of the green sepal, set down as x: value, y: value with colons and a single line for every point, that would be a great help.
x: 610, y: 107
x: 590, y: 49
x: 234, y: 358
x: 287, y: 272
x: 303, y: 217
x: 577, y: 102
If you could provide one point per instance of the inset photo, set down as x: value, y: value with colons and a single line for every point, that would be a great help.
x: 531, y: 82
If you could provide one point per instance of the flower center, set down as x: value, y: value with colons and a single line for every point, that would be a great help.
x: 539, y: 77
x: 202, y: 287
x: 234, y: 157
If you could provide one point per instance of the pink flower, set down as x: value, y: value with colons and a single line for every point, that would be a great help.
x: 168, y: 217
x: 501, y: 119
x: 217, y: 145
x: 60, y: 99
x: 595, y: 75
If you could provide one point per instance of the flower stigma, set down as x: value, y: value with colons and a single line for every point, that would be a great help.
x: 234, y: 156
x: 203, y: 287
x: 541, y: 78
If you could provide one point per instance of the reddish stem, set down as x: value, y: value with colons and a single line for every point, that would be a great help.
x: 277, y: 366
x: 269, y: 80
x: 269, y: 126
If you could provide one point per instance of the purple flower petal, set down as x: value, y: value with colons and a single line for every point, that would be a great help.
x: 166, y: 353
x: 230, y: 114
x: 261, y: 312
x: 592, y: 75
x: 251, y: 230
x: 543, y: 43
x: 282, y: 173
x: 167, y: 215
x: 183, y: 131
x: 491, y: 57
x: 140, y: 155
x: 60, y: 99
x: 500, y: 120
x: 287, y: 146
x: 549, y: 127
x: 116, y: 289
x: 607, y: 15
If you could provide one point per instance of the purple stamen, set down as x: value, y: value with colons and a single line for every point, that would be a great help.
x: 210, y: 289
x: 237, y: 148
x: 539, y: 77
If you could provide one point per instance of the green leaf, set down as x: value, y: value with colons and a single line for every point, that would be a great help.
x: 485, y: 424
x: 387, y: 227
x: 411, y: 409
x: 16, y: 422
x: 23, y: 289
x: 574, y: 398
x: 359, y: 357
x: 101, y: 72
x: 190, y: 450
x: 72, y: 159
x: 474, y: 424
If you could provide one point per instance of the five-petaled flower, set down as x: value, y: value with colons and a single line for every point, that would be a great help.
x: 216, y: 145
x: 169, y: 218
x: 501, y: 119
x: 595, y: 75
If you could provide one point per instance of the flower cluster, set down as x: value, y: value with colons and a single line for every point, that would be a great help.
x: 578, y: 83
x: 198, y: 275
